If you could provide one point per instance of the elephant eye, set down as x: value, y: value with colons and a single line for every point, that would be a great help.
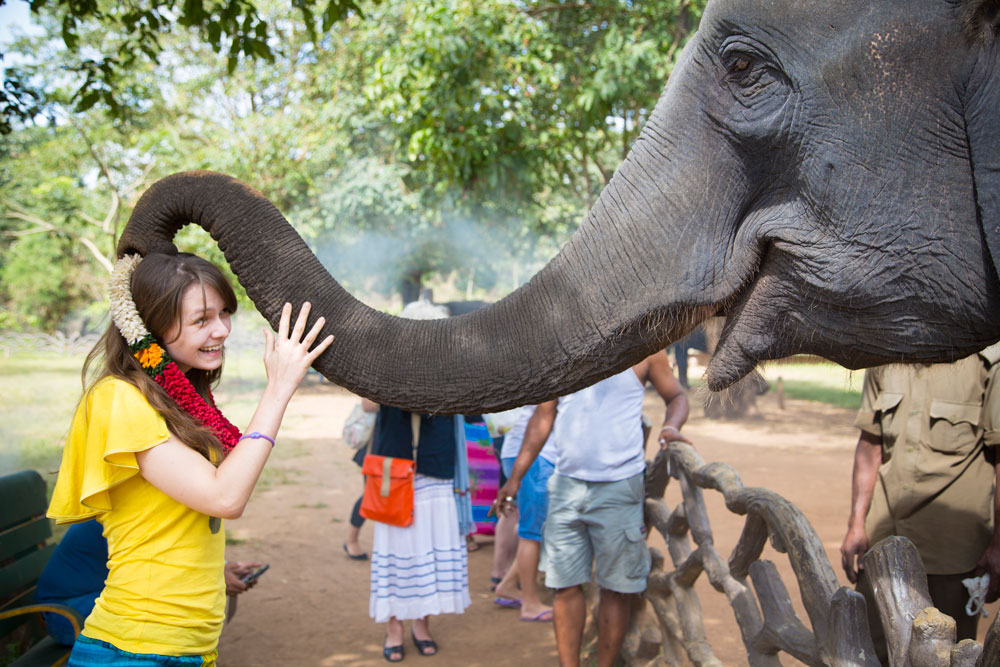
x: 749, y: 76
x: 741, y: 66
x: 754, y: 81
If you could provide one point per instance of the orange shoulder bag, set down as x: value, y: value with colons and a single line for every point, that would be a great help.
x: 388, y: 496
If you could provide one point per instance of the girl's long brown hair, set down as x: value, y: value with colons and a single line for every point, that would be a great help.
x: 158, y: 286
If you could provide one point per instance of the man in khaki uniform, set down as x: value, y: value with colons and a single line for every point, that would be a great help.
x: 925, y: 468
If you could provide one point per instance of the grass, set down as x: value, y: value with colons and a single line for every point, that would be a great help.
x: 275, y: 476
x: 820, y: 381
x: 315, y: 506
x: 824, y: 382
x: 40, y: 392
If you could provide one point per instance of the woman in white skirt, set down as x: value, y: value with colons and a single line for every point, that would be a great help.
x: 422, y: 569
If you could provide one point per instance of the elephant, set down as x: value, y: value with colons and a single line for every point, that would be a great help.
x: 824, y: 173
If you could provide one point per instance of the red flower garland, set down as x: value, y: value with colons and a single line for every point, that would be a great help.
x: 179, y: 387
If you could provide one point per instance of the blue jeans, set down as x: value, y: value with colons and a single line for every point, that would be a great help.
x: 88, y: 652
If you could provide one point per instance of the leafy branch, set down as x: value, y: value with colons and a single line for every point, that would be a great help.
x: 233, y: 27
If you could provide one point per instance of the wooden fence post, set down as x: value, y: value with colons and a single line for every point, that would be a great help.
x: 918, y: 635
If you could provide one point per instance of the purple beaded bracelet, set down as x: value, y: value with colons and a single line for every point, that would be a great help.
x: 257, y: 436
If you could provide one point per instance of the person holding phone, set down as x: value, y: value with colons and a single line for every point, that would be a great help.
x: 151, y: 457
x: 249, y: 573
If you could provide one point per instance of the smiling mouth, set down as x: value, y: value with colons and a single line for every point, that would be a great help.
x: 211, y: 350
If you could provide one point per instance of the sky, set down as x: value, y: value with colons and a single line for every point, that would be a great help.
x: 15, y: 16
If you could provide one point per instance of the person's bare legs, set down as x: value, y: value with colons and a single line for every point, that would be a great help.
x: 508, y: 586
x: 504, y: 544
x: 353, y: 545
x: 570, y: 612
x: 612, y: 624
x: 528, y: 553
x: 394, y: 632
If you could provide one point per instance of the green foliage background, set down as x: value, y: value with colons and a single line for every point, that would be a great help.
x: 413, y: 142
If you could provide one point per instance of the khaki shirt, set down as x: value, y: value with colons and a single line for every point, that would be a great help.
x: 935, y: 484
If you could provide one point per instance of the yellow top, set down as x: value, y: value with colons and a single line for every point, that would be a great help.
x: 935, y: 484
x: 165, y: 592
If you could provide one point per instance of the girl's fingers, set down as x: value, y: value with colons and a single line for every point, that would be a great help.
x: 300, y: 322
x: 314, y: 332
x: 268, y: 342
x: 320, y: 348
x: 286, y: 315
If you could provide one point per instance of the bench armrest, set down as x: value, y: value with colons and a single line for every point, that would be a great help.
x: 72, y: 615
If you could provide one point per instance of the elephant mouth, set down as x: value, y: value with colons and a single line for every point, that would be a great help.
x: 753, y: 329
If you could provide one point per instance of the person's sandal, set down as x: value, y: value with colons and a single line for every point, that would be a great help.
x: 423, y: 645
x: 390, y: 653
x: 360, y: 556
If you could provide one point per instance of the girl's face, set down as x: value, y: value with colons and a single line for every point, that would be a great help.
x: 196, y: 340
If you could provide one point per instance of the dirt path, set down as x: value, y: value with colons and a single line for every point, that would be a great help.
x: 311, y: 608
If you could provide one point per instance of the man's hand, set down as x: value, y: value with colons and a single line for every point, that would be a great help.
x: 234, y: 572
x: 670, y: 433
x: 506, y: 501
x: 990, y: 562
x: 535, y: 434
x: 867, y: 458
x: 852, y: 550
x: 658, y: 371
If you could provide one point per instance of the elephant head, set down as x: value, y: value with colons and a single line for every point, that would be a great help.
x: 825, y: 174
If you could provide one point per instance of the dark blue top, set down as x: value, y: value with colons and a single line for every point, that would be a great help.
x: 435, y: 450
x: 74, y: 575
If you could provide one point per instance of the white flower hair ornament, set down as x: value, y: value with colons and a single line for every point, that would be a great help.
x: 151, y: 356
x: 123, y: 310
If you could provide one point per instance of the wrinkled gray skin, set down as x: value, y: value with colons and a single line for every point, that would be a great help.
x: 825, y: 173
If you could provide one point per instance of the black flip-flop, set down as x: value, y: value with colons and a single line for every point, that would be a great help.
x: 423, y: 644
x: 390, y: 653
x: 352, y: 556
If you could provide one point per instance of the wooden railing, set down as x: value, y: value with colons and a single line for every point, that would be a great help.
x: 837, y: 631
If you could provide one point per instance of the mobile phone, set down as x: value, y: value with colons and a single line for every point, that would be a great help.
x: 252, y: 576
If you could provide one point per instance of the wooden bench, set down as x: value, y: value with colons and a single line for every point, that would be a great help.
x: 24, y: 551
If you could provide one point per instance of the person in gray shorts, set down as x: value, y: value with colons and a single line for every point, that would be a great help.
x: 596, y: 498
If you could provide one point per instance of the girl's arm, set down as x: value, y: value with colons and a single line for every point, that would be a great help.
x: 223, y: 491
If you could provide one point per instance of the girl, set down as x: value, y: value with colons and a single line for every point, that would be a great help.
x: 152, y: 458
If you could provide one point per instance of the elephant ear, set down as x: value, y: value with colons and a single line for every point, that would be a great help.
x: 982, y: 21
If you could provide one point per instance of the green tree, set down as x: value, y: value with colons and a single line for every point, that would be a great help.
x: 233, y: 27
x: 422, y: 139
x: 516, y: 114
x: 66, y: 188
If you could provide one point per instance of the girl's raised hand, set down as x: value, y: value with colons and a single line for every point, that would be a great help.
x: 287, y: 357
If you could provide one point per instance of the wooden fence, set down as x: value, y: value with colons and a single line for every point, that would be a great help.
x: 836, y: 631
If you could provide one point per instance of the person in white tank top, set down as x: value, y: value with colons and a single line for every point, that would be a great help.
x: 596, y: 498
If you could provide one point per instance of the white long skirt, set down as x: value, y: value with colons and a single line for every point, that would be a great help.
x: 423, y: 568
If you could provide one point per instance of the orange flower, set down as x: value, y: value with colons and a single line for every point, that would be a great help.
x: 151, y: 356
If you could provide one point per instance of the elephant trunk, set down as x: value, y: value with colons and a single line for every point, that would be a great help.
x: 611, y: 297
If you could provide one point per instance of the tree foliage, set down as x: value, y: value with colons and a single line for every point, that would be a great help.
x: 426, y: 137
x: 233, y: 27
